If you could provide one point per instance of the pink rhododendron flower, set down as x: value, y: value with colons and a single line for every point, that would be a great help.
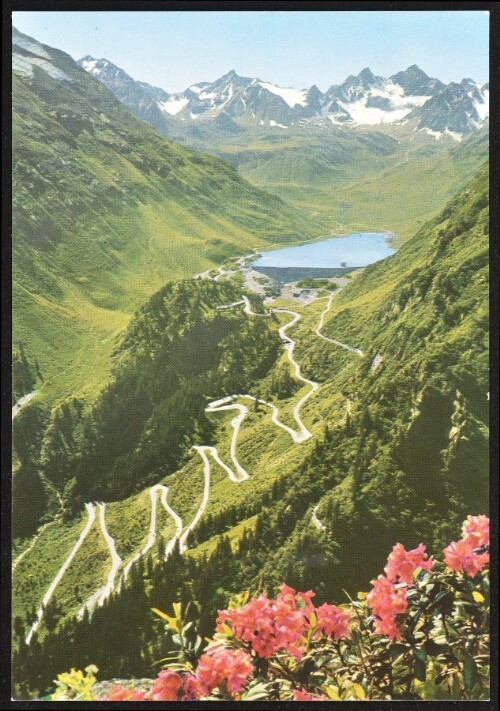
x: 190, y: 687
x: 402, y: 563
x: 120, y: 693
x: 386, y: 601
x: 333, y: 621
x: 166, y: 686
x: 461, y: 555
x: 269, y: 625
x: 304, y: 695
x: 302, y: 599
x: 479, y: 527
x: 231, y: 666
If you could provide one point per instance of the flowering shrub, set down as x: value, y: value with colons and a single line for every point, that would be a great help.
x: 464, y: 555
x: 421, y: 632
x: 270, y: 625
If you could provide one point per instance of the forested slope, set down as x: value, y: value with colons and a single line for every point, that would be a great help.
x: 399, y: 446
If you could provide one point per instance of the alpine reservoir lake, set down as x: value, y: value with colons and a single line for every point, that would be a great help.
x: 330, y: 257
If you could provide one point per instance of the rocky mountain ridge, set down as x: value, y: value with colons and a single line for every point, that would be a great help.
x: 455, y: 109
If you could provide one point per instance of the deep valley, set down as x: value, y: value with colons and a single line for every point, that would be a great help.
x: 186, y: 427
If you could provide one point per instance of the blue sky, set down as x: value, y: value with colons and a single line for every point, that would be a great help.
x: 176, y: 49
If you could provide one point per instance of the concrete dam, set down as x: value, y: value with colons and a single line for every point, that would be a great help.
x: 285, y: 275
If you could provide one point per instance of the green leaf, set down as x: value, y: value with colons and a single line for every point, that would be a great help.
x: 441, y: 677
x: 396, y: 649
x: 470, y: 673
x: 443, y: 601
x: 332, y: 693
x: 359, y: 691
x: 256, y: 692
x: 419, y: 669
x: 433, y: 649
x: 420, y: 654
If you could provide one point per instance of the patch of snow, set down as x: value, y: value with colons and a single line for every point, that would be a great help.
x: 419, y: 100
x: 21, y: 65
x: 293, y: 97
x: 456, y: 136
x: 275, y: 123
x: 400, y: 105
x: 30, y: 46
x: 90, y: 65
x: 196, y: 89
x: 172, y: 106
x: 24, y: 65
x: 205, y: 95
x: 437, y: 134
x: 362, y: 115
x: 193, y: 116
x: 397, y: 97
x: 483, y: 107
x: 229, y: 97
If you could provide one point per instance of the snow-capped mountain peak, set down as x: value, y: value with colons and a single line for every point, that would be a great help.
x: 362, y: 99
x: 291, y: 96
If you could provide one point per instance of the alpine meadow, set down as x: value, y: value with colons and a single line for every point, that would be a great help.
x: 250, y: 396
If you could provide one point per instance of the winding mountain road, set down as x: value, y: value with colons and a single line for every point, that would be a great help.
x: 153, y: 494
x: 303, y: 433
x: 177, y: 520
x: 24, y: 400
x: 97, y: 598
x: 116, y: 561
x: 46, y: 598
x: 238, y: 475
x: 102, y: 593
x: 332, y: 340
x: 202, y: 451
x: 31, y: 545
x: 227, y: 404
x: 316, y: 522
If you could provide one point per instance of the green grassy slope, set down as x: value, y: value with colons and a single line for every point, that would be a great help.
x: 347, y: 178
x: 361, y: 179
x: 399, y: 446
x: 105, y: 211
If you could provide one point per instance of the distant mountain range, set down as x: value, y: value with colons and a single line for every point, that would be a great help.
x: 455, y: 109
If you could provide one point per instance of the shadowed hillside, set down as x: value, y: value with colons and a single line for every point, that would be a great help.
x: 105, y: 211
